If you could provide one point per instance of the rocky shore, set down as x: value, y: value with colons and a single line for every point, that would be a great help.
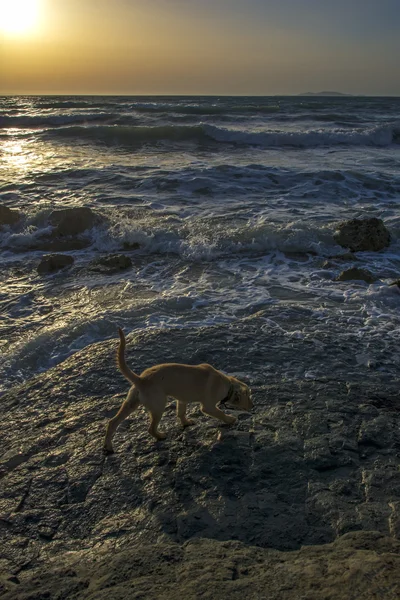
x: 300, y: 499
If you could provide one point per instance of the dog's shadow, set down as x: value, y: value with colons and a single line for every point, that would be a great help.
x: 213, y: 481
x: 206, y: 479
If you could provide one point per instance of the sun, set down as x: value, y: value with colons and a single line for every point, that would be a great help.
x: 19, y: 17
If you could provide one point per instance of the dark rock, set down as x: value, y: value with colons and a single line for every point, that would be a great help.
x: 396, y: 283
x: 112, y: 263
x: 8, y: 216
x: 131, y: 245
x: 308, y: 486
x: 355, y: 274
x: 363, y: 235
x: 73, y: 221
x: 346, y: 256
x: 54, y: 262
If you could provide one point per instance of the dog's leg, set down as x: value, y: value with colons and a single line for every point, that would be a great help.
x: 181, y: 413
x: 155, y: 418
x: 155, y: 402
x: 129, y: 405
x: 215, y: 412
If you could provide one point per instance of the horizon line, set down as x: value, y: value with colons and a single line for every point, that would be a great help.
x: 130, y: 95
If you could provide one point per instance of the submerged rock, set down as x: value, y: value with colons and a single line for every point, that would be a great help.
x: 8, y: 216
x: 54, y: 262
x: 112, y: 263
x: 346, y: 256
x: 363, y: 235
x: 131, y: 245
x: 355, y: 273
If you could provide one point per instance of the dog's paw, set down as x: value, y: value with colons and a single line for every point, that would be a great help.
x: 161, y: 435
x: 107, y: 451
x: 232, y: 420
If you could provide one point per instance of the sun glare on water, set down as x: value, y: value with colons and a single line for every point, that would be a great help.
x: 19, y: 17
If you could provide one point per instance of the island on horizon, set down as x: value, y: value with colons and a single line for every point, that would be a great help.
x: 324, y: 94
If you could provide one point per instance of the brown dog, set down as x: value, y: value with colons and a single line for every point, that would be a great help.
x: 185, y: 383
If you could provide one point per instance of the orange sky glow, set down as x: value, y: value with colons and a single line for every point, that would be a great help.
x: 176, y: 47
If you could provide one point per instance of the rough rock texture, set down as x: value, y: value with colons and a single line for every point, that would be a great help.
x: 73, y: 221
x: 8, y: 216
x: 54, y: 262
x: 112, y: 263
x: 359, y: 566
x: 316, y: 464
x: 363, y: 235
x: 355, y: 273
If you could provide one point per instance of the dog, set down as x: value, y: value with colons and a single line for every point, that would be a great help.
x: 186, y: 383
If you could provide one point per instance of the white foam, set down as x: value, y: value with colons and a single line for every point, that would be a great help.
x: 382, y: 135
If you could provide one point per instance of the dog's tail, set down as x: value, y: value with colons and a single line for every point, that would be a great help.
x: 123, y: 367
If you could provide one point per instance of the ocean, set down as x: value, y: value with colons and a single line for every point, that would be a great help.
x: 232, y: 202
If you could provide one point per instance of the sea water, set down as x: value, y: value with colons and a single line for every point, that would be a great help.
x: 233, y: 203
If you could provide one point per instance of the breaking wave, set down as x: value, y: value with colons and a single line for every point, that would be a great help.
x: 132, y: 136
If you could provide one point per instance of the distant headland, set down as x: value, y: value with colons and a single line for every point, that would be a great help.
x: 324, y: 94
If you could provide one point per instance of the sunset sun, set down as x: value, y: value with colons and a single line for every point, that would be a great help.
x: 19, y: 17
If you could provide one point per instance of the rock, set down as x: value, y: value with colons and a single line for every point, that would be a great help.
x: 346, y: 256
x: 112, y: 263
x: 355, y: 273
x: 131, y: 245
x: 54, y: 262
x: 358, y: 565
x: 8, y: 216
x: 363, y: 235
x: 396, y: 283
x: 73, y: 221
x: 299, y: 500
x: 68, y: 223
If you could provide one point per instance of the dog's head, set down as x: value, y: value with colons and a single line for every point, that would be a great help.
x: 240, y: 395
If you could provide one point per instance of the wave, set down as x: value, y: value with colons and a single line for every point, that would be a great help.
x: 383, y: 135
x: 203, y: 239
x: 206, y: 109
x: 131, y: 136
x: 43, y: 121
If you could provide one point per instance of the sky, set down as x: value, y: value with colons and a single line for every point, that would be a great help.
x: 210, y: 47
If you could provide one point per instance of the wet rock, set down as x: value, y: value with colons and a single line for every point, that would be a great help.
x: 112, y: 263
x: 396, y: 283
x: 356, y: 274
x: 332, y: 261
x: 363, y: 235
x: 54, y: 262
x: 69, y: 224
x: 314, y: 460
x: 131, y: 245
x: 8, y: 216
x: 346, y: 256
x: 73, y: 221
